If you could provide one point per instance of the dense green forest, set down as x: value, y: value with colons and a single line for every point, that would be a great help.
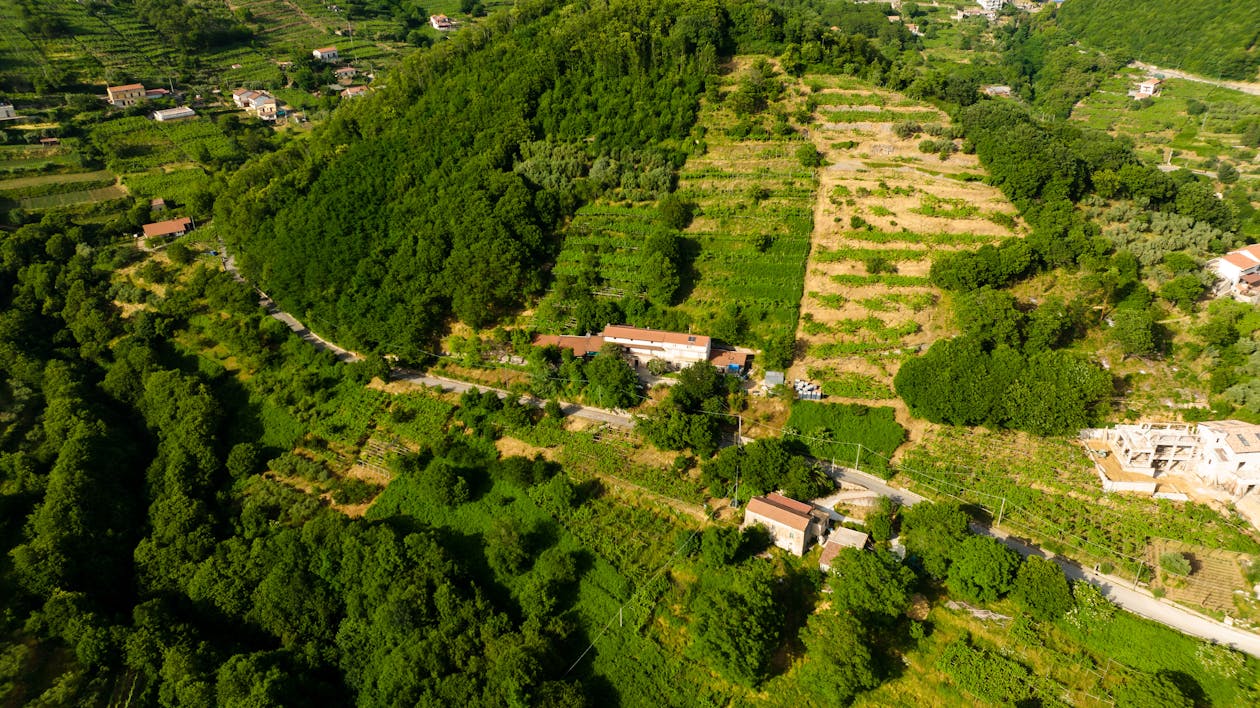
x: 1216, y: 38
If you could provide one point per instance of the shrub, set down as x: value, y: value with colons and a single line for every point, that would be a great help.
x: 1175, y: 563
x: 809, y: 156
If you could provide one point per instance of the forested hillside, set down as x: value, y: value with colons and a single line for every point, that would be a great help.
x: 1215, y: 38
x: 418, y: 202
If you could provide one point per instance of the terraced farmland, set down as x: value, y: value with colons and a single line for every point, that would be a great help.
x: 747, y: 245
x: 883, y: 210
x: 755, y: 214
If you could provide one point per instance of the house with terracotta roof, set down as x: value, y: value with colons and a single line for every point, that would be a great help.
x: 1148, y: 88
x: 354, y: 92
x: 676, y: 348
x: 643, y: 345
x: 442, y: 23
x: 345, y: 74
x: 1233, y: 266
x: 126, y: 95
x: 171, y: 227
x: 793, y: 524
x: 328, y: 54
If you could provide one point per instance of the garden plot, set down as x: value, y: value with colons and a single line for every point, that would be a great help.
x: 883, y: 210
x: 1214, y: 578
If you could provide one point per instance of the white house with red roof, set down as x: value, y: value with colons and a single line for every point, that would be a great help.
x: 1240, y: 269
x: 170, y: 227
x: 677, y: 348
x: 328, y: 54
x: 792, y: 524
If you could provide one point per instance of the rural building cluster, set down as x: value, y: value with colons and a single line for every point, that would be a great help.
x: 794, y: 526
x: 259, y: 103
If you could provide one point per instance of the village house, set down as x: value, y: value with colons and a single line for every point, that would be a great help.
x: 260, y: 103
x: 157, y: 204
x: 996, y: 90
x: 328, y: 54
x: 792, y: 524
x: 442, y: 23
x: 839, y: 538
x: 173, y: 228
x: 1148, y: 89
x: 991, y: 5
x: 7, y: 112
x: 1224, y: 454
x: 155, y: 93
x: 1239, y: 270
x: 123, y: 96
x: 169, y: 114
x: 354, y: 92
x: 674, y: 347
x: 1229, y: 455
x: 346, y: 74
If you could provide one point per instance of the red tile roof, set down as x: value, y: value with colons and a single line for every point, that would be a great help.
x: 170, y: 226
x: 655, y: 335
x: 761, y: 506
x: 579, y: 345
x: 127, y: 87
x: 1241, y: 259
x: 325, y: 50
x: 723, y: 359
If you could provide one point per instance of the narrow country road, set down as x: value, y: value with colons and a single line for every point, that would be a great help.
x: 600, y: 415
x: 1119, y: 591
x: 1243, y: 86
x: 1141, y: 602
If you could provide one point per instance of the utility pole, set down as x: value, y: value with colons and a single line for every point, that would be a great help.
x: 1000, y: 512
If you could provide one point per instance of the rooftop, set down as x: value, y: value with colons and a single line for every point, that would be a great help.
x: 776, y: 507
x: 126, y: 87
x: 655, y: 335
x: 1239, y: 436
x: 170, y: 226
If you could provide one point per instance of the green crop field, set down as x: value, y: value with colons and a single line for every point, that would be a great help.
x: 755, y: 206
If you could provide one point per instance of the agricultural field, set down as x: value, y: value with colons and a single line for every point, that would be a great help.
x: 107, y: 44
x: 744, y: 250
x: 1166, y: 132
x: 755, y: 210
x: 883, y: 210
